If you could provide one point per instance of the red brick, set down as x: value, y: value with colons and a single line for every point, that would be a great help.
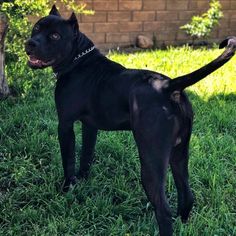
x: 134, y: 35
x: 104, y: 46
x: 233, y: 5
x: 105, y: 5
x: 232, y: 24
x: 130, y: 26
x: 130, y: 5
x: 97, y: 37
x: 192, y: 5
x: 223, y: 33
x: 166, y: 15
x: 151, y: 35
x: 119, y: 16
x: 203, y: 5
x: 165, y: 35
x: 143, y: 15
x: 117, y: 38
x: 232, y: 15
x: 153, y: 26
x: 227, y: 14
x: 187, y: 15
x: 214, y: 33
x: 224, y: 23
x: 154, y: 5
x: 177, y: 5
x: 86, y: 27
x: 225, y: 5
x: 173, y: 25
x: 97, y: 17
x: 106, y: 27
x: 182, y: 35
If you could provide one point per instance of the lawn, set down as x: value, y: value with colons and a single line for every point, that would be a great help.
x: 112, y: 201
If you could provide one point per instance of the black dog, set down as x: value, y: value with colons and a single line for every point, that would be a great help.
x: 105, y: 95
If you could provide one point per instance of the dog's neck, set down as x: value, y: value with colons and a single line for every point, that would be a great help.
x: 82, y: 47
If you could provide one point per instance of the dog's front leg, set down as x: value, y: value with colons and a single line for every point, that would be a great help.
x: 67, y: 145
x: 89, y: 136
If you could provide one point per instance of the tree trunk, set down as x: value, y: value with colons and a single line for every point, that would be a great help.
x: 4, y: 89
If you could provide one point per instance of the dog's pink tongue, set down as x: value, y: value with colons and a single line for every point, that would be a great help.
x: 35, y: 61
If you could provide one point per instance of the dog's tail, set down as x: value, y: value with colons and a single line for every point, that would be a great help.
x: 182, y: 82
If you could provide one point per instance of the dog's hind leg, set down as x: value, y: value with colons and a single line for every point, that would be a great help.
x: 179, y: 166
x: 89, y: 136
x: 153, y: 134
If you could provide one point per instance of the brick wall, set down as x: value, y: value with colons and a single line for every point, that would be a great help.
x: 118, y: 22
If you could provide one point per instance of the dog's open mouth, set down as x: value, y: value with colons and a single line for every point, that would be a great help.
x: 35, y: 62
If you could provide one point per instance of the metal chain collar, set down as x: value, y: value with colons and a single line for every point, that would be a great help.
x: 79, y: 56
x: 84, y: 53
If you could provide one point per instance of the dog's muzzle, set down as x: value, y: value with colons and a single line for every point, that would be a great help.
x: 31, y: 46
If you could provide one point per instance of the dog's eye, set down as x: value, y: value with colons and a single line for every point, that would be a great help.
x: 36, y: 28
x: 55, y: 36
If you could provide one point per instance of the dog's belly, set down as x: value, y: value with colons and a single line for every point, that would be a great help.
x: 107, y: 120
x: 105, y: 124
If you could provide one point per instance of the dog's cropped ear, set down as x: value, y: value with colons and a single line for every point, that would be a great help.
x: 74, y: 23
x: 54, y: 11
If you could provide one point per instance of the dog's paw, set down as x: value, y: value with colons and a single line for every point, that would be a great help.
x: 69, y: 184
x: 184, y: 210
x: 228, y: 42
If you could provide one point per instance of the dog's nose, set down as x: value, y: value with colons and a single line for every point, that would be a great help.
x: 31, y: 45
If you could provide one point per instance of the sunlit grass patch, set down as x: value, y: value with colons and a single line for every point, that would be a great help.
x: 178, y: 61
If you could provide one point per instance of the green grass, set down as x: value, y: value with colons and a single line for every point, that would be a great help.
x: 112, y: 201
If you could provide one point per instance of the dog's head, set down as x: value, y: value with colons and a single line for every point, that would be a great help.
x: 51, y: 40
